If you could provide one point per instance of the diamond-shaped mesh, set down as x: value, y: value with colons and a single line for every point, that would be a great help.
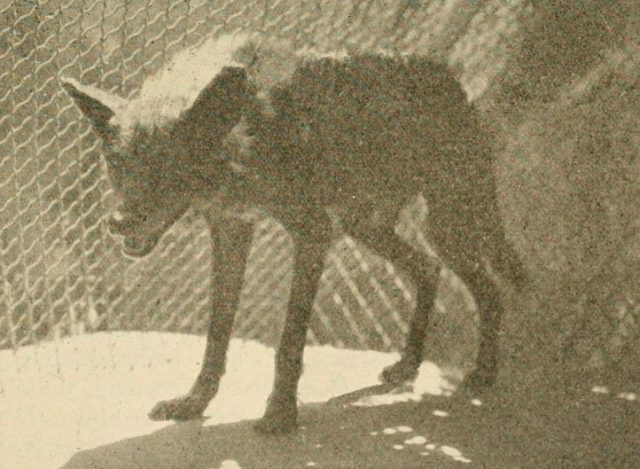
x: 61, y: 272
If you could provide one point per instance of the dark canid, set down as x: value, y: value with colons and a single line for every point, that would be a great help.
x: 327, y: 145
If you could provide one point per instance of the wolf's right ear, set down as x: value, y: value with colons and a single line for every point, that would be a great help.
x: 220, y: 104
x: 99, y: 106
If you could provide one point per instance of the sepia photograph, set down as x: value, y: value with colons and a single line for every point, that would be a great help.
x: 241, y: 234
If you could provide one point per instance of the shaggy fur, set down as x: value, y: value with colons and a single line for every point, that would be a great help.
x: 171, y: 91
x: 319, y: 143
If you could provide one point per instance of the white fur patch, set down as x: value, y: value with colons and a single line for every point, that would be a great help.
x: 190, y: 70
x: 165, y: 95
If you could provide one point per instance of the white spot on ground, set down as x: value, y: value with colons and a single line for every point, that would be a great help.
x: 373, y: 433
x: 440, y: 413
x: 430, y: 446
x: 389, y: 431
x: 229, y: 464
x: 451, y: 451
x: 476, y: 402
x: 600, y: 390
x: 425, y: 453
x: 462, y: 459
x: 627, y: 396
x: 404, y: 429
x: 416, y: 440
x: 311, y: 464
x: 398, y: 447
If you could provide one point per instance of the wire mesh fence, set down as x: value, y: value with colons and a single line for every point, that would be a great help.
x: 63, y: 274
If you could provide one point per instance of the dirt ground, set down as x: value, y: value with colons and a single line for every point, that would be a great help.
x: 555, y: 431
x: 573, y: 422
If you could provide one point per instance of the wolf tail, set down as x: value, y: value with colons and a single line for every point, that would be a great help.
x: 509, y: 264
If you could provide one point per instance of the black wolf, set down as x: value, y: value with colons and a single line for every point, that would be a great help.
x: 328, y: 146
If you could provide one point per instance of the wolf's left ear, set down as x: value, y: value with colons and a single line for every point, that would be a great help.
x: 99, y: 106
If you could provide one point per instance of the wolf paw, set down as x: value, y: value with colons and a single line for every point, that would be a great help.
x: 399, y: 372
x: 278, y: 419
x: 479, y: 380
x: 181, y: 408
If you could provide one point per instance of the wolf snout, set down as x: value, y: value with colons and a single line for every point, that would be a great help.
x: 119, y: 225
x: 136, y: 247
x: 137, y: 238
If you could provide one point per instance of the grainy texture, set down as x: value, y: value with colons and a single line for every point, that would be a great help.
x: 62, y: 273
x: 557, y: 82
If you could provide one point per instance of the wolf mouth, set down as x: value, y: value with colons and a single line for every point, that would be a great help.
x: 138, y: 239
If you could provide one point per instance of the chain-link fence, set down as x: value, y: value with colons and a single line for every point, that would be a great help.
x: 61, y: 272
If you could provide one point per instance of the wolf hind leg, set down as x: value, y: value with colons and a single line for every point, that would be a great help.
x: 424, y: 272
x: 464, y: 244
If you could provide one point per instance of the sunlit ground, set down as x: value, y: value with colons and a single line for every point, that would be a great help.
x: 87, y: 391
x: 93, y: 393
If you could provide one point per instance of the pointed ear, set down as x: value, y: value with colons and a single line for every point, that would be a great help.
x: 220, y: 104
x: 99, y: 106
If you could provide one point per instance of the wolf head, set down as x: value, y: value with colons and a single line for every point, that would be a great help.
x: 156, y: 144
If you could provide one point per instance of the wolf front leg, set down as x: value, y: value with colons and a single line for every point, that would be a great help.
x: 281, y: 414
x: 231, y: 242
